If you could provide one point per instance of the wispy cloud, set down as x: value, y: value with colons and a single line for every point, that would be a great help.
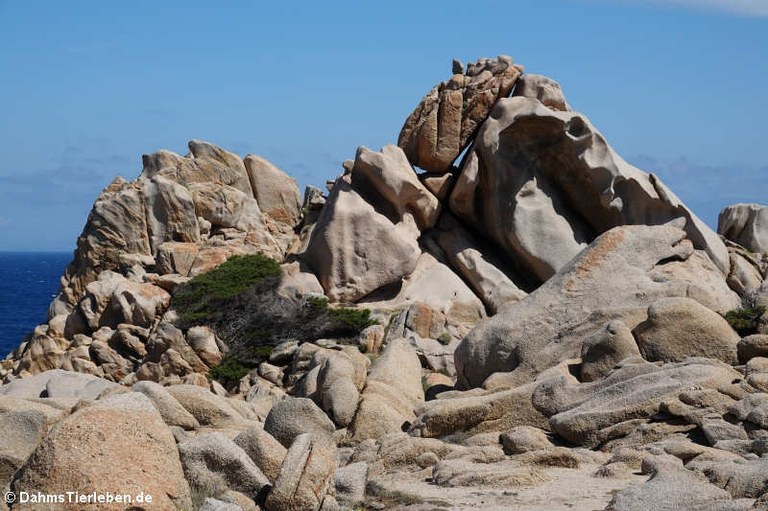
x: 4, y: 221
x: 757, y: 8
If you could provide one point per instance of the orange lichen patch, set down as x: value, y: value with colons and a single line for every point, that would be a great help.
x: 593, y: 256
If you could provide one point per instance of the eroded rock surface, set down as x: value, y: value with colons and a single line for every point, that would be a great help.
x: 441, y: 125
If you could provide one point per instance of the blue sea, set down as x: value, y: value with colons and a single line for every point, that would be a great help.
x: 28, y: 282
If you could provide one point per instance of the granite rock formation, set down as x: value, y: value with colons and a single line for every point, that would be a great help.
x: 542, y: 317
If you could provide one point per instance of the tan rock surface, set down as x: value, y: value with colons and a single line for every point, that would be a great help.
x: 441, y: 125
x: 95, y: 450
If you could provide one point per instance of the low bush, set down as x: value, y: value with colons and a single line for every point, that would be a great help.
x: 202, y: 299
x: 239, y: 301
x: 745, y: 321
x: 229, y: 370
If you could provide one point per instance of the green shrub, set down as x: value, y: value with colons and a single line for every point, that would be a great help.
x: 200, y: 300
x: 239, y: 301
x: 262, y: 351
x: 745, y: 321
x: 229, y: 370
x: 355, y: 319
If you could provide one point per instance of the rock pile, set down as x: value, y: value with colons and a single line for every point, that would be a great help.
x: 538, y: 316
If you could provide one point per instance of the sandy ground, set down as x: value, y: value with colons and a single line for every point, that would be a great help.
x: 566, y: 489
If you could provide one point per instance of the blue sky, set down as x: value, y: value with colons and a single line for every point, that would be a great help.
x: 677, y: 87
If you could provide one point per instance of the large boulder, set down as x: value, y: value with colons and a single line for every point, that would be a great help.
x: 206, y: 163
x: 263, y: 449
x: 170, y: 212
x: 587, y: 414
x: 118, y: 445
x: 606, y: 349
x: 542, y: 88
x: 206, y: 407
x: 441, y: 126
x: 355, y: 250
x: 437, y: 286
x: 172, y: 412
x: 57, y: 383
x: 392, y: 392
x: 745, y: 224
x: 226, y: 207
x: 211, y: 460
x: 670, y: 487
x: 350, y: 482
x: 544, y: 183
x: 116, y: 228
x: 112, y: 299
x: 615, y: 278
x: 306, y: 476
x: 741, y: 478
x: 339, y: 385
x: 24, y: 424
x: 472, y: 413
x: 490, y: 278
x: 391, y: 177
x: 678, y: 328
x: 366, y: 235
x: 275, y: 191
x: 292, y: 417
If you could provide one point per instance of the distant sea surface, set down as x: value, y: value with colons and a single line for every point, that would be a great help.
x: 28, y: 283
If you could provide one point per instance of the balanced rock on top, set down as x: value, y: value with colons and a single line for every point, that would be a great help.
x: 441, y: 125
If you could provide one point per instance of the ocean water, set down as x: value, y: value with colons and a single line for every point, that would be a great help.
x: 28, y: 282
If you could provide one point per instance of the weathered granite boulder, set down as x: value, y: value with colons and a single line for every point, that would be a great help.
x: 553, y: 322
x: 366, y: 235
x: 392, y: 392
x: 441, y: 126
x: 211, y: 460
x: 745, y: 224
x: 206, y: 407
x: 752, y: 346
x: 24, y: 424
x: 741, y: 478
x: 349, y: 483
x: 292, y: 417
x: 544, y: 183
x: 474, y: 413
x: 678, y: 328
x: 130, y: 221
x: 306, y: 476
x: 339, y: 384
x: 391, y: 177
x: 746, y: 276
x: 605, y: 349
x: 276, y: 192
x: 522, y: 439
x: 546, y: 90
x: 170, y: 211
x: 670, y: 487
x: 57, y: 383
x: 355, y: 250
x: 206, y: 163
x: 263, y: 449
x: 172, y: 412
x: 96, y: 449
x: 587, y: 414
x: 492, y: 280
x: 116, y: 227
